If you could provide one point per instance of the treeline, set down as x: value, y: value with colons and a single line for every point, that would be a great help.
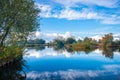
x: 86, y: 43
x: 105, y: 42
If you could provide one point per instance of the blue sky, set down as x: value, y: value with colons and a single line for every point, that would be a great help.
x: 79, y: 17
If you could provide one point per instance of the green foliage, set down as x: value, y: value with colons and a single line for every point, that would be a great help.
x: 70, y: 41
x: 106, y: 40
x: 79, y: 41
x: 17, y: 19
x: 59, y: 43
x: 11, y: 52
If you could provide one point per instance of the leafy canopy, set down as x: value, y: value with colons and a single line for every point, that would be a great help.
x: 17, y: 19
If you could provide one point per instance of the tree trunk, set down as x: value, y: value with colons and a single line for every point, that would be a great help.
x: 4, y: 36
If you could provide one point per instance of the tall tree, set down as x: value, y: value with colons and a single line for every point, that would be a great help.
x: 17, y: 19
x: 106, y: 40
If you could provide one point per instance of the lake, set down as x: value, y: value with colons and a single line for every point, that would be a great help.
x: 50, y: 64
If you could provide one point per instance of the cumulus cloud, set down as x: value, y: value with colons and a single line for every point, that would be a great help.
x: 71, y: 14
x: 85, y: 13
x: 97, y: 37
x: 51, y: 36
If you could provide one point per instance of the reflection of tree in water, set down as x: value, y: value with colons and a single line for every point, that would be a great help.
x: 108, y: 52
x: 118, y: 49
x: 84, y: 49
x: 40, y: 48
x: 58, y: 48
x: 13, y: 72
x: 37, y: 48
x: 70, y: 50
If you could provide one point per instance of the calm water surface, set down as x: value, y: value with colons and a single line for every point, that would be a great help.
x: 49, y: 64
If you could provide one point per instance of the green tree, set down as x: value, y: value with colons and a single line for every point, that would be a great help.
x: 70, y: 40
x: 87, y: 42
x: 106, y: 40
x: 59, y: 43
x: 39, y: 41
x: 17, y: 19
x: 79, y: 41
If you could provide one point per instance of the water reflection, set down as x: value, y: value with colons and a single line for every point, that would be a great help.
x: 53, y: 51
x: 66, y: 64
x: 72, y: 74
x: 46, y: 52
x: 13, y: 72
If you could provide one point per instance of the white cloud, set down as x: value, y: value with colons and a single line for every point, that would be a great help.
x: 74, y: 15
x: 71, y: 14
x: 104, y: 3
x: 95, y: 34
x: 53, y: 35
x: 111, y: 19
x: 37, y: 34
x: 97, y: 37
x: 68, y: 13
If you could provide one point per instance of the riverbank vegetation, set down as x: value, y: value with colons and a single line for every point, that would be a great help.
x: 107, y: 44
x: 18, y: 18
x: 87, y: 43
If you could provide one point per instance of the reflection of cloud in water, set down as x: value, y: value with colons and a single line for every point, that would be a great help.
x: 46, y: 52
x: 97, y: 54
x: 62, y: 75
x: 116, y: 53
x: 97, y: 51
x: 75, y: 74
x: 111, y: 67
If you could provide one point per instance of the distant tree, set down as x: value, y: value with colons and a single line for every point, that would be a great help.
x: 106, y: 40
x: 70, y: 40
x: 79, y: 41
x: 94, y: 42
x: 59, y: 43
x: 17, y: 19
x: 39, y: 41
x: 116, y: 43
x: 87, y: 40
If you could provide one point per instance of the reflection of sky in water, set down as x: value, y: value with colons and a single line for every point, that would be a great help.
x: 51, y: 65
